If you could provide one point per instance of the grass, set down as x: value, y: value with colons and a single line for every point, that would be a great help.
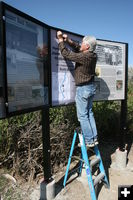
x: 9, y: 191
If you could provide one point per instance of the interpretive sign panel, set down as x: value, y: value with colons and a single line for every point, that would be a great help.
x: 26, y: 66
x: 110, y: 71
x: 63, y: 84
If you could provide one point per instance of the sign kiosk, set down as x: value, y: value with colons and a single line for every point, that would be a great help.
x: 35, y: 76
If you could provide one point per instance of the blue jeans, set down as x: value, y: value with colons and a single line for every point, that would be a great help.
x: 84, y: 101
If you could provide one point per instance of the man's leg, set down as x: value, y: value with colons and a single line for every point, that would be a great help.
x: 83, y: 114
x: 91, y: 117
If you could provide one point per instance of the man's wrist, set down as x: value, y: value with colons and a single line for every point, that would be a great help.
x: 60, y: 40
x: 70, y: 41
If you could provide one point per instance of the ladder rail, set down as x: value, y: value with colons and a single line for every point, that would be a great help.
x: 88, y: 164
x: 70, y: 157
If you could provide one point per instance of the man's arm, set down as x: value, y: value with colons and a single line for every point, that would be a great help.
x: 70, y: 55
x: 73, y: 44
x: 66, y: 53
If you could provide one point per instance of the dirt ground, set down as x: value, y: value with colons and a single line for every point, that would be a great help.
x: 77, y: 187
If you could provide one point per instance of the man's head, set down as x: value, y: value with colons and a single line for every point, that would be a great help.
x: 88, y: 43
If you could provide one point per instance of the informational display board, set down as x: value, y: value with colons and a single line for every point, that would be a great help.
x: 26, y: 63
x: 63, y: 83
x: 26, y: 46
x: 110, y: 71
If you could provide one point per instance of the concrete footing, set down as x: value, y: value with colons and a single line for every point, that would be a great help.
x: 121, y: 158
x: 47, y: 190
x: 120, y: 161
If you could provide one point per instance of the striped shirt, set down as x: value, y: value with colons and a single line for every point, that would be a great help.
x: 85, y: 63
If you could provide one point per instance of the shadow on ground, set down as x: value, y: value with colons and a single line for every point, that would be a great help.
x: 107, y: 148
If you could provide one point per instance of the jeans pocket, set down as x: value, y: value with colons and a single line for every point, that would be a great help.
x: 86, y: 94
x: 88, y: 91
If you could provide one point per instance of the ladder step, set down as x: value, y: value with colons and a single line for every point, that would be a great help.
x: 98, y: 178
x: 78, y: 158
x: 88, y: 148
x: 94, y: 161
x: 74, y: 170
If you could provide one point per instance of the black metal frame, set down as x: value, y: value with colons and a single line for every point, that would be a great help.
x: 7, y: 7
x: 45, y: 109
x: 4, y: 7
x: 123, y: 113
x: 2, y: 31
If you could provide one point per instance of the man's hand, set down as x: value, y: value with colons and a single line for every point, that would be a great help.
x: 65, y: 37
x: 60, y: 36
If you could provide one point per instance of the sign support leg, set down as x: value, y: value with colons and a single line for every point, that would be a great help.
x: 47, y: 186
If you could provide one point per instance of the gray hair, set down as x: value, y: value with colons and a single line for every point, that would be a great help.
x: 91, y: 41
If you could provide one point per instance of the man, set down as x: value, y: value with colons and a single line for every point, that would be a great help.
x: 85, y: 60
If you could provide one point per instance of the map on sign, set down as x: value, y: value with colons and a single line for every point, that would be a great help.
x: 63, y: 84
x: 110, y: 71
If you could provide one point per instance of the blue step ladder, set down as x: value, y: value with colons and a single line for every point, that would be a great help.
x: 101, y: 177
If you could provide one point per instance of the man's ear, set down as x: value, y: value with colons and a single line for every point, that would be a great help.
x: 87, y: 46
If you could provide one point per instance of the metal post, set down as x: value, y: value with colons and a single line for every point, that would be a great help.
x: 46, y: 144
x: 123, y: 117
x: 123, y: 125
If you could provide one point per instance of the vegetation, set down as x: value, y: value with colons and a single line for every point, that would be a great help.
x: 21, y: 137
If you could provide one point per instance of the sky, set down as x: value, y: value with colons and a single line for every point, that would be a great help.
x: 105, y: 19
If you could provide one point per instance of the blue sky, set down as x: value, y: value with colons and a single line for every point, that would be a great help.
x: 105, y: 19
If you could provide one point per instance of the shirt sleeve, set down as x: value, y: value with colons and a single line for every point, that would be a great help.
x: 70, y: 55
x: 75, y: 46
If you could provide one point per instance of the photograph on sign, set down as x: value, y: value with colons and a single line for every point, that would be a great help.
x: 110, y: 71
x: 26, y: 66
